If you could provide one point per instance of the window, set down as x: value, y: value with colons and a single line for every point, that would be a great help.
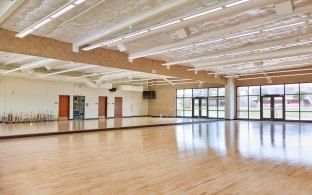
x: 242, y: 102
x: 305, y: 101
x: 212, y: 99
x: 298, y: 100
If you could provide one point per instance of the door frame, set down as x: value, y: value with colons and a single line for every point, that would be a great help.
x: 272, y: 105
x: 200, y: 109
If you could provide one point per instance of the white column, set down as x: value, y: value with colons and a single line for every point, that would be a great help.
x: 230, y: 99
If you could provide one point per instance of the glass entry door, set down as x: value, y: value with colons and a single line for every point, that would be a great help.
x: 272, y: 108
x: 200, y: 107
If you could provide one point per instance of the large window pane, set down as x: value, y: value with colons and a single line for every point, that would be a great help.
x: 266, y: 107
x: 179, y: 112
x: 243, y: 115
x: 212, y: 107
x: 196, y: 92
x: 221, y: 114
x: 306, y: 87
x: 254, y: 115
x: 254, y: 103
x: 242, y: 103
x: 187, y: 92
x: 188, y: 113
x: 292, y: 103
x: 292, y: 89
x: 306, y: 116
x: 213, y: 92
x: 180, y: 92
x: 305, y: 102
x: 179, y: 103
x: 200, y: 93
x: 204, y: 107
x: 254, y: 90
x: 188, y: 104
x: 242, y: 91
x: 292, y: 116
x: 213, y: 114
x: 212, y: 103
x: 221, y: 103
x: 203, y: 92
x: 221, y: 92
x: 272, y: 90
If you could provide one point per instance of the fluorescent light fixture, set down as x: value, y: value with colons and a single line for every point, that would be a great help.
x: 152, y: 84
x: 207, y: 42
x: 62, y: 11
x: 110, y: 41
x: 155, y: 53
x: 202, y: 13
x: 242, y: 35
x: 184, y: 47
x: 179, y: 62
x: 207, y: 58
x: 101, y: 44
x: 236, y: 3
x: 165, y: 25
x: 285, y: 26
x: 135, y: 34
x: 91, y: 47
x: 70, y: 70
x: 238, y: 53
x: 79, y: 2
x: 25, y: 33
x: 42, y: 23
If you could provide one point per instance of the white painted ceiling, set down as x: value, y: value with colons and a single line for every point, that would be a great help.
x: 115, y: 18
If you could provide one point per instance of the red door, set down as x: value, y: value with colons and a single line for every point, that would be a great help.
x: 118, y: 107
x: 102, y: 107
x: 63, y: 107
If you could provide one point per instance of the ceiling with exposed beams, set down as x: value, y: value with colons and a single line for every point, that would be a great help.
x: 233, y: 41
x: 92, y: 76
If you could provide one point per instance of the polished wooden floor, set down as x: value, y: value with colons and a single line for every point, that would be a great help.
x: 85, y: 125
x: 221, y: 157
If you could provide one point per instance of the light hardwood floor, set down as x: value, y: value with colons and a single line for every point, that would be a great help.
x: 220, y: 157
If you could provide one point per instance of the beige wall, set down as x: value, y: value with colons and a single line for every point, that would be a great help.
x: 165, y: 102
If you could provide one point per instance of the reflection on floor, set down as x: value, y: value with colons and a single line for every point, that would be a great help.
x: 83, y: 125
x: 276, y: 141
x: 220, y: 157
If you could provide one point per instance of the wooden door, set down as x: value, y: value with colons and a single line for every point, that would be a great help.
x: 118, y: 107
x: 63, y: 107
x: 102, y: 107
